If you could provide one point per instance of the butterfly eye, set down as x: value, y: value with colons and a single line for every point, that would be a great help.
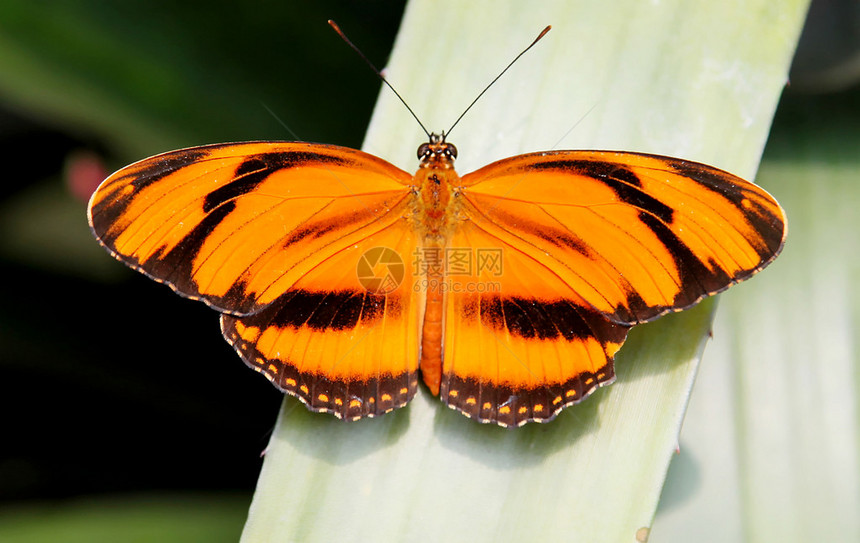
x: 423, y: 150
x: 451, y: 151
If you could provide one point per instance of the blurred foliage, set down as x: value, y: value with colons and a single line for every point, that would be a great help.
x: 180, y: 518
x: 155, y: 76
x: 87, y: 408
x: 828, y: 55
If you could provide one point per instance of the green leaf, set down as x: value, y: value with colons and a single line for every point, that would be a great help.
x: 694, y: 80
x: 771, y: 444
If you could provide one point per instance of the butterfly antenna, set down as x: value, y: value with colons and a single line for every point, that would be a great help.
x: 541, y: 35
x: 377, y: 72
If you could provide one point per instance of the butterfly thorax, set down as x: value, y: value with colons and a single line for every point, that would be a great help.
x: 436, y: 179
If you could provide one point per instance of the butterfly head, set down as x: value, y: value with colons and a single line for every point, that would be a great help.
x: 437, y: 151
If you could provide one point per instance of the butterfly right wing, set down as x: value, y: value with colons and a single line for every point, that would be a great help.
x: 522, y: 344
x: 592, y: 242
x: 636, y: 235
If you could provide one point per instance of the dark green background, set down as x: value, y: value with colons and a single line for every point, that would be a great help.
x: 109, y: 382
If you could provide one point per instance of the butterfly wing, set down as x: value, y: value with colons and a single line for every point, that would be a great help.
x: 591, y: 244
x: 344, y: 339
x: 519, y: 343
x: 274, y: 235
x: 635, y: 235
x: 236, y: 225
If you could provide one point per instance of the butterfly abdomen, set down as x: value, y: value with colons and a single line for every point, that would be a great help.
x: 431, y: 336
x: 435, y: 180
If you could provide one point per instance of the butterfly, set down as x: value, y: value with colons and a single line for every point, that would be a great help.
x: 341, y: 277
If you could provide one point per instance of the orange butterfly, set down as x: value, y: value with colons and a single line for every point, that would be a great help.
x: 340, y: 276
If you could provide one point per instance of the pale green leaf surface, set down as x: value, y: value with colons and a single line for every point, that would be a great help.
x: 685, y: 79
x: 770, y: 450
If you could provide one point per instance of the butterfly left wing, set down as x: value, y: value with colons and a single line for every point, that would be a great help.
x: 590, y: 243
x: 344, y: 339
x: 235, y: 225
x: 272, y: 234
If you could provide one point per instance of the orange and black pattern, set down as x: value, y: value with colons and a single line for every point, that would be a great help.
x: 349, y: 392
x: 234, y: 224
x: 274, y: 235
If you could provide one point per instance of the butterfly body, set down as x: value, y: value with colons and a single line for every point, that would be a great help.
x: 435, y: 181
x: 340, y: 277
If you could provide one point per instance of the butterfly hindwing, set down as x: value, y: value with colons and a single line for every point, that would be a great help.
x: 635, y: 235
x: 339, y: 340
x: 235, y: 225
x: 522, y: 345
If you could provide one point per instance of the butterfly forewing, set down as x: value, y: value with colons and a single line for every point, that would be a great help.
x: 635, y: 235
x: 237, y: 224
